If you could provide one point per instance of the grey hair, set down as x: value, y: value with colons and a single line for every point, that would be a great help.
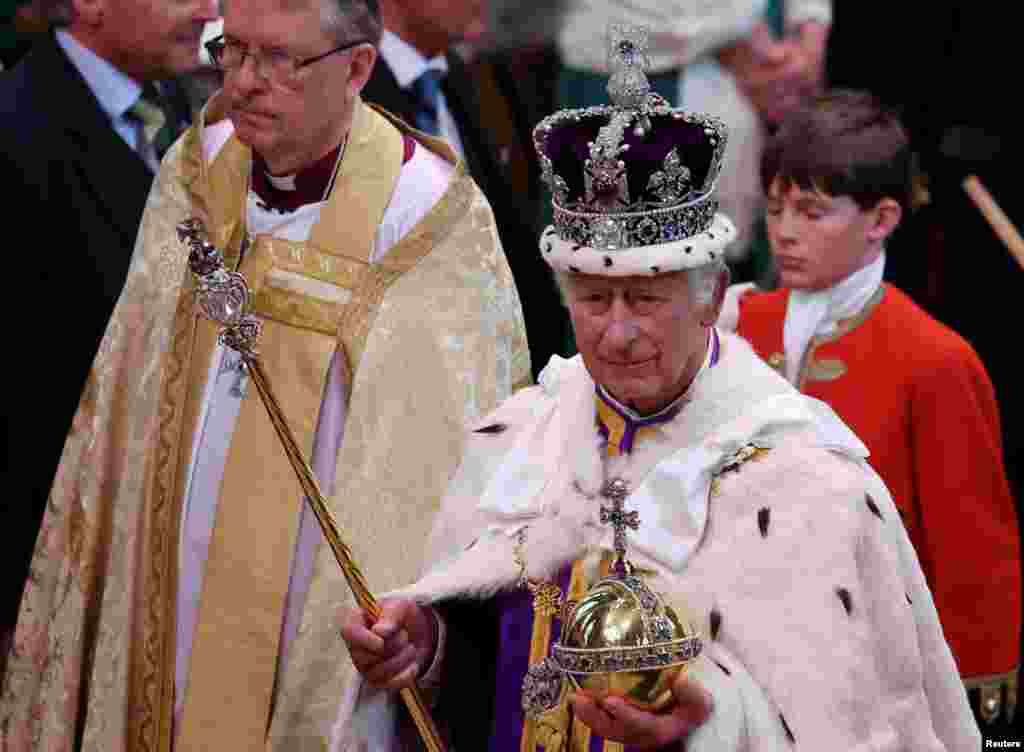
x: 702, y: 283
x: 348, y: 20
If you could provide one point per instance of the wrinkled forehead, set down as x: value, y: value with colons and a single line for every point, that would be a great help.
x: 661, y: 283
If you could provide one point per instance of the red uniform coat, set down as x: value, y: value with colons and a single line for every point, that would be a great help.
x: 917, y: 395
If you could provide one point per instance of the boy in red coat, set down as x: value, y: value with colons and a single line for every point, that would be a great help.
x: 837, y: 178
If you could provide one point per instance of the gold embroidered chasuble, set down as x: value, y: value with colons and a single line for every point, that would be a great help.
x: 433, y: 336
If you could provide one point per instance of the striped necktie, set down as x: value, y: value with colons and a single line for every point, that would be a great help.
x: 157, y: 129
x: 427, y: 91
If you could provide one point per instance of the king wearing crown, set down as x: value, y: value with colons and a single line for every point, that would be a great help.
x: 662, y: 545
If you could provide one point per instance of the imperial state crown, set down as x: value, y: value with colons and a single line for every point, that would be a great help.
x: 633, y: 181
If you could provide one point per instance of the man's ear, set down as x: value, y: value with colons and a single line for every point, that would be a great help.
x: 364, y: 57
x: 887, y: 215
x: 715, y: 306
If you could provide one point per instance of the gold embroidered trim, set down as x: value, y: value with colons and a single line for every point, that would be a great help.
x: 846, y: 326
x: 296, y: 309
x: 306, y: 259
x: 743, y: 455
x: 808, y: 371
x: 827, y: 369
x: 357, y: 316
x: 152, y: 682
x: 547, y: 596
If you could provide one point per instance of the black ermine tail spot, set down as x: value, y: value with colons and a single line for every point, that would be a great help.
x: 785, y: 727
x: 846, y: 598
x: 873, y: 507
x: 493, y: 428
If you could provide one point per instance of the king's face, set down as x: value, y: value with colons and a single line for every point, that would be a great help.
x: 640, y: 337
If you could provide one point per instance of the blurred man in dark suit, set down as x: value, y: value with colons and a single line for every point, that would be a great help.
x: 422, y: 80
x: 82, y: 128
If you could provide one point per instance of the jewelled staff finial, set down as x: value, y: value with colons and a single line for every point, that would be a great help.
x: 223, y: 295
x: 617, y: 490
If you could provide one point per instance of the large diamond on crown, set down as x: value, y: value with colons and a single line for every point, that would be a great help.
x: 607, y: 235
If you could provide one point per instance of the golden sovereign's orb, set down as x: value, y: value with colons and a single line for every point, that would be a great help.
x: 622, y: 639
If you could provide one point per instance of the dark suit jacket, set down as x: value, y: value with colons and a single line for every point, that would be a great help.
x: 546, y: 318
x: 73, y: 192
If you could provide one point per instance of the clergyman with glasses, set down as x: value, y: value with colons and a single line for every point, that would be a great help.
x: 181, y: 595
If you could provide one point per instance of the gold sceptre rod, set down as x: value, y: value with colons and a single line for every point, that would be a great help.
x: 410, y: 695
x: 996, y: 217
x: 223, y: 296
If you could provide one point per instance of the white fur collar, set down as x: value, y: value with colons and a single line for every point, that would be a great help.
x: 736, y: 403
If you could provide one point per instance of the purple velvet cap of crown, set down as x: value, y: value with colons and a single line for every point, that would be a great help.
x: 695, y: 138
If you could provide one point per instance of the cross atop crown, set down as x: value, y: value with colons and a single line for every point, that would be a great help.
x: 628, y: 63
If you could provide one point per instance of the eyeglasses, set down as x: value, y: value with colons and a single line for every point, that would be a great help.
x: 271, y: 65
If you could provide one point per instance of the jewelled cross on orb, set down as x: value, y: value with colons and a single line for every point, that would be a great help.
x: 617, y: 490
